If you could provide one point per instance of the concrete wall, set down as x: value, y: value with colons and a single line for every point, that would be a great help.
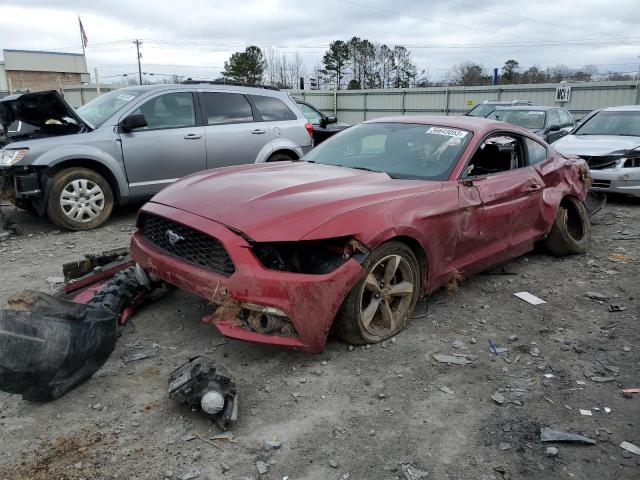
x: 35, y: 61
x: 353, y: 106
x: 3, y: 79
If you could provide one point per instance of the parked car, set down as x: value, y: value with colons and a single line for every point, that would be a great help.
x: 128, y: 144
x: 360, y: 228
x: 609, y: 141
x: 549, y: 123
x: 485, y: 108
x: 324, y: 126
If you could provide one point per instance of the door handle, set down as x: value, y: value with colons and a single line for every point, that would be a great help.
x: 258, y: 131
x: 192, y: 136
x: 535, y: 186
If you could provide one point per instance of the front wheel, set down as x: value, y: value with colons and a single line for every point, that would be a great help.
x: 79, y: 199
x: 380, y: 304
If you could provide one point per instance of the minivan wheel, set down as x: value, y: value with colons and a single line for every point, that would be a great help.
x: 279, y: 157
x: 79, y: 199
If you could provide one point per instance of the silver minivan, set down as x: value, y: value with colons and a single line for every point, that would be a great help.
x: 75, y: 165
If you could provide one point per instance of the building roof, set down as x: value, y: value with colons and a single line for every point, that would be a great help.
x: 40, y: 61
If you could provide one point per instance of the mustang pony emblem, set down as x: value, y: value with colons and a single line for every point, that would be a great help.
x: 173, y: 237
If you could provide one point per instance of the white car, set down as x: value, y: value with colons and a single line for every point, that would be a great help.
x: 609, y: 141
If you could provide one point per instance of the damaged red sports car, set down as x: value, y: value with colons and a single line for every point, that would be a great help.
x: 353, y: 234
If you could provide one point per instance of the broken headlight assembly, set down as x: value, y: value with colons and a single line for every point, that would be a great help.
x: 9, y: 157
x: 315, y: 257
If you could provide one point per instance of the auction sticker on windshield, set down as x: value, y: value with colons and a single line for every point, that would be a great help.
x: 448, y: 132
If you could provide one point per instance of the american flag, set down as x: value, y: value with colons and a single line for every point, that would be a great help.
x: 83, y: 35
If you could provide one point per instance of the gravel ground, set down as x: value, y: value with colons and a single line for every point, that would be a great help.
x: 358, y: 413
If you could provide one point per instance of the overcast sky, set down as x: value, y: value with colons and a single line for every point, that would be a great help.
x: 194, y: 38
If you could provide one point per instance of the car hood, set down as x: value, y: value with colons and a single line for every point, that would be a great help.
x: 595, y: 145
x: 284, y: 201
x: 38, y: 109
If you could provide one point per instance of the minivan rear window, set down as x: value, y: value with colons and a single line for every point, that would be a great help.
x: 272, y: 109
x: 226, y: 108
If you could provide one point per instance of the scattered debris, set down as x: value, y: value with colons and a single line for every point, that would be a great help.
x: 262, y: 467
x: 272, y: 445
x: 505, y: 446
x: 551, y: 452
x: 597, y: 296
x: 228, y: 436
x: 631, y: 390
x: 607, y: 410
x: 333, y: 463
x: 550, y: 435
x: 193, y: 472
x: 498, y: 398
x: 459, y: 344
x: 455, y: 359
x: 205, y: 387
x: 617, y: 307
x: 446, y: 390
x: 630, y: 447
x: 602, y: 379
x: 534, y: 352
x: 134, y: 357
x: 493, y: 348
x: 529, y: 298
x: 587, y: 413
x: 55, y: 280
x: 187, y: 438
x: 412, y: 473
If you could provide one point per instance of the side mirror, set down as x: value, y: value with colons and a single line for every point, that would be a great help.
x: 554, y: 128
x: 132, y: 122
x: 331, y: 120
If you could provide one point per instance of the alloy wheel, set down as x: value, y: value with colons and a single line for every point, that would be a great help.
x: 386, y: 295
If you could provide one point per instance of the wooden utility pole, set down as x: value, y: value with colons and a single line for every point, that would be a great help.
x: 137, y: 43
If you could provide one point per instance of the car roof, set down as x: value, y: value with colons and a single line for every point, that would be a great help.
x: 622, y: 108
x: 473, y: 124
x: 528, y: 107
x: 207, y: 86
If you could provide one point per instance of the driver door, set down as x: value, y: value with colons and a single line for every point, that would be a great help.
x: 171, y: 146
x: 510, y: 193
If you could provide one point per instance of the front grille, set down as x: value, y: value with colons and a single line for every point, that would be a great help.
x: 600, y: 163
x: 601, y: 183
x: 188, y: 244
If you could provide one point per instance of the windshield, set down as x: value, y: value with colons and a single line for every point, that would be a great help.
x: 412, y: 151
x: 612, y: 123
x: 98, y: 110
x: 533, y: 119
x: 482, y: 110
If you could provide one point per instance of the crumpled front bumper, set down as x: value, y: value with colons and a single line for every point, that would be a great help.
x: 309, y: 301
x: 616, y: 180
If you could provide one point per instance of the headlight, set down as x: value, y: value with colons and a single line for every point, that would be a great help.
x: 312, y: 256
x: 9, y: 157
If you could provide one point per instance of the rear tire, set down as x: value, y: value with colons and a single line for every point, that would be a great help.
x: 280, y: 157
x: 79, y: 199
x: 380, y: 305
x: 571, y: 230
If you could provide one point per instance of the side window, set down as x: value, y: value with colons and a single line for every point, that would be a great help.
x: 272, y: 109
x: 226, y: 108
x: 498, y: 153
x: 565, y: 119
x: 554, y: 119
x: 171, y: 110
x: 536, y: 152
x: 312, y: 115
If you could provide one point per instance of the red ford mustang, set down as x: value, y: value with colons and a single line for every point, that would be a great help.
x: 353, y: 234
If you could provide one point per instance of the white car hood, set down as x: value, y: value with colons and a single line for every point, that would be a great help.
x: 595, y: 145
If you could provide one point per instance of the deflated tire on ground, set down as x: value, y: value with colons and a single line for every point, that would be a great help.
x: 49, y: 345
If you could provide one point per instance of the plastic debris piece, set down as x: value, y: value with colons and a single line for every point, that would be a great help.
x: 134, y: 357
x: 630, y: 447
x: 588, y: 413
x: 412, y: 473
x: 446, y: 390
x: 529, y: 298
x: 602, y: 379
x: 631, y: 390
x: 617, y: 307
x: 607, y: 410
x: 498, y: 398
x: 452, y: 359
x: 597, y: 296
x: 550, y: 435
